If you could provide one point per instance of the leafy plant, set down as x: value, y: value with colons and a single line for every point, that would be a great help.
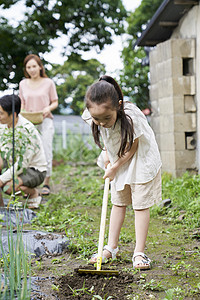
x: 181, y: 266
x: 22, y: 144
x: 16, y: 266
x: 55, y: 287
x: 79, y: 292
x: 153, y: 285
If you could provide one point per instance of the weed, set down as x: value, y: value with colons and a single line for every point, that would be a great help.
x: 195, y: 290
x: 39, y: 264
x: 55, y: 287
x: 79, y: 292
x: 181, y: 266
x: 56, y: 260
x: 152, y: 285
x: 176, y: 293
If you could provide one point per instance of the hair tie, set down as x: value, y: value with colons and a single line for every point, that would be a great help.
x: 101, y: 78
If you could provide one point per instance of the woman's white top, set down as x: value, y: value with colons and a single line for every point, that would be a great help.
x: 144, y: 165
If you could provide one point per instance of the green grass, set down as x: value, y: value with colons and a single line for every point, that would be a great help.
x: 79, y: 147
x: 184, y: 193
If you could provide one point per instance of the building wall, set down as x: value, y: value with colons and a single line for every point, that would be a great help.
x: 175, y: 96
x: 172, y: 94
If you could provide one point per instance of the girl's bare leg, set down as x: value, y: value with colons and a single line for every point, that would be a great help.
x: 116, y: 221
x: 142, y: 218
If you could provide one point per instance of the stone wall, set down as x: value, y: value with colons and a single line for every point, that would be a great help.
x: 172, y: 95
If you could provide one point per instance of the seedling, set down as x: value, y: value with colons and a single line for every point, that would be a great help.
x: 55, y: 287
x: 179, y: 266
x: 153, y: 286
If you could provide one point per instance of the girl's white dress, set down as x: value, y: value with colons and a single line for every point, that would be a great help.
x: 145, y: 163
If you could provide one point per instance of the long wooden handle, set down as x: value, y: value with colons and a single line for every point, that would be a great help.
x: 103, y: 223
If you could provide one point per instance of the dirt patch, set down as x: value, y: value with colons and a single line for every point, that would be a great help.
x: 86, y: 286
x: 78, y: 286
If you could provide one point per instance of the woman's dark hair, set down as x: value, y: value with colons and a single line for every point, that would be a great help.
x: 107, y: 89
x: 38, y: 61
x: 6, y: 103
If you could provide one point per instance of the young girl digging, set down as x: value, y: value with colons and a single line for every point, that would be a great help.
x: 135, y: 172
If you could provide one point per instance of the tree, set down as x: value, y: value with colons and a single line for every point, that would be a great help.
x: 134, y: 76
x: 85, y: 24
x: 73, y: 78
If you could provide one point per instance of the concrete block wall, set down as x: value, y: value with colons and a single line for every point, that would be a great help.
x: 172, y: 95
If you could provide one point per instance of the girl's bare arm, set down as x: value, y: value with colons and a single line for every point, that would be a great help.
x: 110, y: 173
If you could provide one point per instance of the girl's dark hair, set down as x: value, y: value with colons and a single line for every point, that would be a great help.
x: 107, y: 89
x: 38, y: 61
x: 6, y: 103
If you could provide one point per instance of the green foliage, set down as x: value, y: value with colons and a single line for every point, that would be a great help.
x: 175, y: 293
x: 153, y: 285
x: 78, y: 148
x: 134, y: 76
x: 86, y: 25
x: 184, y: 193
x: 16, y: 266
x: 73, y: 78
x: 141, y: 16
x: 22, y: 143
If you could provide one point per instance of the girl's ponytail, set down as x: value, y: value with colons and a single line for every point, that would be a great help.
x: 115, y: 84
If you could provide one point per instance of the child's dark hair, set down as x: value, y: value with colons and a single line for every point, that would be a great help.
x: 100, y: 92
x: 6, y: 103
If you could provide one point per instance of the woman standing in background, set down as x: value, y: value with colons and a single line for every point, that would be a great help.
x: 38, y: 93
